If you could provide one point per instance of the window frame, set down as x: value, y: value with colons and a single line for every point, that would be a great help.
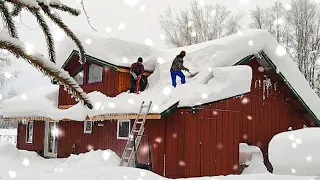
x: 118, y: 127
x: 27, y: 137
x: 85, y: 125
x: 88, y: 73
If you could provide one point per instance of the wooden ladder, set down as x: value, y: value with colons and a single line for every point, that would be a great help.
x: 135, y: 136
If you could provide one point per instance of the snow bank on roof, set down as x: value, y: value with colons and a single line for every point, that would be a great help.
x: 8, y: 132
x: 296, y: 152
x: 111, y: 50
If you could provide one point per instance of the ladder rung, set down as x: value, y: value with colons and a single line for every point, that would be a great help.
x: 127, y: 158
x: 139, y: 122
x: 130, y: 149
x: 135, y: 131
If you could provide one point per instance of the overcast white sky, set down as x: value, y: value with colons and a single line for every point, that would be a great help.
x: 139, y: 25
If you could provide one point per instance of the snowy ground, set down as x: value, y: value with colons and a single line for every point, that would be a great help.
x: 98, y: 165
x: 9, y: 135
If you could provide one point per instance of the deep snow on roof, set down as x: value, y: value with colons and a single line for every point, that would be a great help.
x: 216, y: 79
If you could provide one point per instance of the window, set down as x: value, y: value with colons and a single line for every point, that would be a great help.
x: 79, y: 78
x: 123, y: 129
x: 87, y: 127
x: 29, y: 131
x: 95, y: 74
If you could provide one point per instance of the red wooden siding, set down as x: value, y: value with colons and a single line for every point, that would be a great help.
x: 37, y: 144
x: 109, y: 86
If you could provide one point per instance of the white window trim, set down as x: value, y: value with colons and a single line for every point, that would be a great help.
x: 85, y: 127
x: 118, y: 124
x: 27, y: 129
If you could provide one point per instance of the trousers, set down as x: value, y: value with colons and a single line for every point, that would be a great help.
x: 174, y: 75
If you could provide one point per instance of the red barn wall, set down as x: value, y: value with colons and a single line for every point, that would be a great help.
x: 37, y: 144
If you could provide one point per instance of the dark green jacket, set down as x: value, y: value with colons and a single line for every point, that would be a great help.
x: 177, y: 64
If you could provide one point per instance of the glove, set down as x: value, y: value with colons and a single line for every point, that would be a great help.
x: 187, y: 69
x: 135, y: 77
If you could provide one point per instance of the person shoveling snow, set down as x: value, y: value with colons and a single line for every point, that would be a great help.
x: 136, y: 74
x: 176, y: 67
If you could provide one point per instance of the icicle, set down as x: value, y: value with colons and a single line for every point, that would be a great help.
x: 263, y: 91
x: 255, y: 84
x: 259, y: 83
x: 64, y: 87
x: 275, y: 86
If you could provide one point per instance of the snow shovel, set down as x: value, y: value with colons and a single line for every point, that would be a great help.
x: 192, y: 75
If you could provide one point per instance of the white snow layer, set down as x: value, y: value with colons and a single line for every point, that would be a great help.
x: 99, y: 165
x: 8, y: 132
x: 214, y: 60
x: 296, y: 152
x: 246, y: 152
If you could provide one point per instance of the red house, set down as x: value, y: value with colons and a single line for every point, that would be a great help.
x: 195, y: 137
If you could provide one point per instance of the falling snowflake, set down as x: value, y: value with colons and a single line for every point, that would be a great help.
x: 294, y: 145
x: 249, y: 117
x: 281, y: 51
x: 149, y: 42
x: 163, y: 37
x: 174, y: 135
x: 29, y: 48
x: 4, y: 51
x: 166, y: 91
x: 88, y: 41
x: 158, y: 140
x: 298, y: 140
x: 245, y: 136
x: 24, y: 97
x: 240, y: 33
x: 90, y: 147
x: 131, y: 3
x: 12, y: 174
x: 155, y: 107
x: 142, y: 174
x: 130, y: 101
x: 97, y: 105
x: 78, y: 1
x: 204, y: 96
x: 278, y: 21
x: 111, y: 105
x: 288, y: 7
x: 291, y: 137
x: 106, y: 155
x: 260, y: 69
x: 16, y: 18
x: 309, y: 158
x: 209, y: 69
x: 190, y: 23
x: 317, y: 1
x: 293, y: 171
x: 250, y: 43
x: 122, y: 26
x: 1, y: 96
x: 26, y: 162
x: 215, y: 113
x: 125, y: 60
x: 235, y: 167
x: 142, y: 8
x: 125, y: 177
x: 58, y: 35
x: 220, y: 146
x: 193, y: 34
x: 182, y: 163
x: 108, y: 29
x: 201, y: 2
x: 160, y: 60
x: 245, y: 100
x: 7, y: 75
x: 139, y: 179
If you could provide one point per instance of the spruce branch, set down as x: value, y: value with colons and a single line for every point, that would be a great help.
x: 66, y: 8
x: 57, y: 20
x: 7, y: 18
x: 45, y: 66
x: 47, y: 33
x: 16, y: 10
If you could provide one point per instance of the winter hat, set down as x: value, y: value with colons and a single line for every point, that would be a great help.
x: 140, y: 59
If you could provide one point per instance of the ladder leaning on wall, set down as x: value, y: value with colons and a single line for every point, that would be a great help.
x: 135, y: 136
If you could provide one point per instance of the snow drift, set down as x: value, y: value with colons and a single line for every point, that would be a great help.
x: 296, y: 152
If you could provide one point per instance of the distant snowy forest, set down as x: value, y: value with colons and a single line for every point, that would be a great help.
x: 295, y: 25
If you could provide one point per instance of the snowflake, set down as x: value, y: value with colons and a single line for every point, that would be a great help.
x: 204, y: 96
x: 215, y: 113
x: 163, y: 37
x: 131, y: 3
x: 158, y: 140
x: 142, y: 8
x: 166, y: 91
x: 291, y: 137
x: 29, y: 48
x: 294, y: 145
x: 7, y: 75
x: 190, y: 23
x: 58, y: 35
x: 155, y: 107
x: 249, y: 117
x: 16, y: 18
x: 4, y: 51
x: 245, y: 136
x: 97, y: 105
x: 88, y: 41
x: 122, y: 26
x: 281, y: 51
x: 175, y: 135
x: 298, y: 140
x: 317, y: 1
x: 293, y: 171
x: 148, y: 42
x: 260, y: 69
x: 106, y: 155
x: 288, y: 7
x: 78, y: 1
x: 125, y: 60
x: 245, y: 100
x: 160, y: 60
x: 182, y: 163
x: 12, y: 174
x: 220, y: 146
x: 194, y: 34
x: 250, y: 43
x: 108, y: 30
x: 142, y: 174
x: 130, y: 101
x: 26, y: 162
x: 24, y: 97
x: 90, y: 147
x: 209, y: 69
x: 240, y: 33
x: 111, y: 105
x: 125, y: 177
x: 235, y: 167
x: 309, y: 158
x: 201, y: 2
x: 278, y: 21
x: 1, y: 96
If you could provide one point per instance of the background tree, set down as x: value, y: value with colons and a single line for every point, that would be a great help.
x: 297, y: 27
x: 26, y: 51
x: 199, y: 24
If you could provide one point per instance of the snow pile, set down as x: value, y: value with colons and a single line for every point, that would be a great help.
x: 296, y: 152
x: 256, y: 165
x: 246, y: 152
x: 8, y: 132
x: 98, y: 158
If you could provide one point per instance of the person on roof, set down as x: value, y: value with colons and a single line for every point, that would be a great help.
x: 176, y: 67
x: 136, y: 71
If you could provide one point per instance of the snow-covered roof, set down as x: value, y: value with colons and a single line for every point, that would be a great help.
x: 217, y: 79
x: 111, y: 50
